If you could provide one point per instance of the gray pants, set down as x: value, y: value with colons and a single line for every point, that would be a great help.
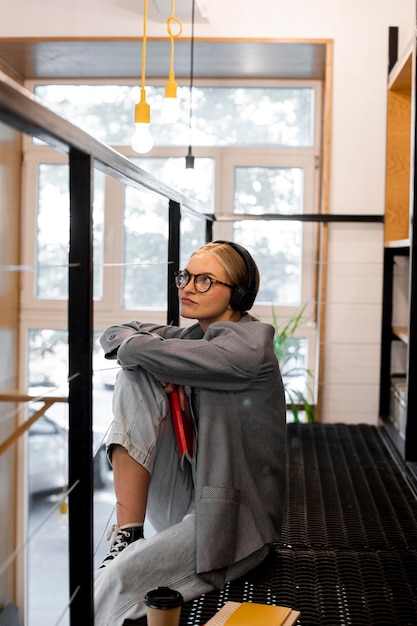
x: 142, y: 424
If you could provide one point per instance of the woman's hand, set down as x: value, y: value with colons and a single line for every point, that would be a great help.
x: 168, y: 387
x: 182, y: 396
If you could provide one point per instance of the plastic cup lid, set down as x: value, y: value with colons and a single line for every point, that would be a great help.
x: 163, y: 598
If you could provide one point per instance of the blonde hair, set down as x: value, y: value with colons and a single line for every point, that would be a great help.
x: 234, y: 264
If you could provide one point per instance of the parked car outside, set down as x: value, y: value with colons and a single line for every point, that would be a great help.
x: 48, y: 456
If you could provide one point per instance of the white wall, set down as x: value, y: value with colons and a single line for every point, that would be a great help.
x: 360, y: 33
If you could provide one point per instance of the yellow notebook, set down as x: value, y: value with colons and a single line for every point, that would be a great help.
x: 251, y: 613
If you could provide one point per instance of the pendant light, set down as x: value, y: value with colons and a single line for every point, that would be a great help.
x: 142, y: 140
x: 189, y: 159
x: 170, y: 108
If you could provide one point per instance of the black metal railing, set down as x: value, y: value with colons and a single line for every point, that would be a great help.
x: 19, y: 109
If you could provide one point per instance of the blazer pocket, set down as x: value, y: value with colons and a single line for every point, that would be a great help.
x: 216, y: 530
x: 212, y: 492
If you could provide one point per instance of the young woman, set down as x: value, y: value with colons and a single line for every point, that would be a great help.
x: 215, y: 514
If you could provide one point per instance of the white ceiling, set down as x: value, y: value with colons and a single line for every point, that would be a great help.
x: 182, y: 9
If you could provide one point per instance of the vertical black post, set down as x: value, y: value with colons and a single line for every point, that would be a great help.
x: 392, y: 47
x: 80, y: 331
x: 410, y: 451
x: 411, y: 426
x: 386, y: 334
x: 174, y: 233
x: 209, y: 230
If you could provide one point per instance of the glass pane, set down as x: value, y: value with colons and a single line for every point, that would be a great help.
x: 198, y: 184
x: 98, y: 233
x: 221, y: 116
x: 297, y: 378
x: 260, y: 190
x: 293, y: 364
x: 146, y: 230
x: 52, y: 237
x: 145, y: 250
x: 47, y: 358
x: 255, y: 116
x: 193, y: 235
x: 277, y: 249
x: 104, y: 111
x: 52, y: 231
x: 47, y: 456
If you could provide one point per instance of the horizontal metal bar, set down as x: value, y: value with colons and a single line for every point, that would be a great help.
x: 303, y: 217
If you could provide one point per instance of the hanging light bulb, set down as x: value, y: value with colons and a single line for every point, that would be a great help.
x: 170, y: 108
x: 189, y: 159
x: 189, y: 175
x: 142, y: 140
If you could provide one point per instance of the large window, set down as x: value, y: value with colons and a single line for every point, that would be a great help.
x: 257, y: 147
x: 239, y: 115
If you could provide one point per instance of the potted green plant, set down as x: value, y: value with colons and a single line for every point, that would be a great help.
x: 286, y: 347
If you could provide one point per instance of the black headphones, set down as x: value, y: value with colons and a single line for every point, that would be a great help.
x: 243, y: 297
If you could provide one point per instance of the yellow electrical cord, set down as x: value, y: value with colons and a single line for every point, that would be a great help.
x: 142, y: 108
x: 171, y: 85
x: 145, y: 19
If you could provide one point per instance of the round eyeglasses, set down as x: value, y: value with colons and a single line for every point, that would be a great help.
x: 202, y: 282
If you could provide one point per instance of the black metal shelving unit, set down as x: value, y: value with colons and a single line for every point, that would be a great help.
x: 405, y: 442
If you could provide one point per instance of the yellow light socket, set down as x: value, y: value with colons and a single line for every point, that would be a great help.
x: 142, y: 110
x: 171, y: 87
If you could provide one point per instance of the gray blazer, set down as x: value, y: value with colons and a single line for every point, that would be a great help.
x: 232, y: 376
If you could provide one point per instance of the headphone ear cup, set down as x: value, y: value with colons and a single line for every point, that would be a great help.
x: 242, y: 299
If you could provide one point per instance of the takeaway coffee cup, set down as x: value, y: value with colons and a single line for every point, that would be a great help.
x: 163, y: 607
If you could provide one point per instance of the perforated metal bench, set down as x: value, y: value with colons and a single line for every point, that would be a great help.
x: 348, y: 552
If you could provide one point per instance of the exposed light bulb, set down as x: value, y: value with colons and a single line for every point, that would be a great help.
x: 170, y: 111
x: 142, y: 139
x: 188, y: 179
x: 170, y: 107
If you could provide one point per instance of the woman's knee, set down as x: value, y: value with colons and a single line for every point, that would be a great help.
x: 139, y: 389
